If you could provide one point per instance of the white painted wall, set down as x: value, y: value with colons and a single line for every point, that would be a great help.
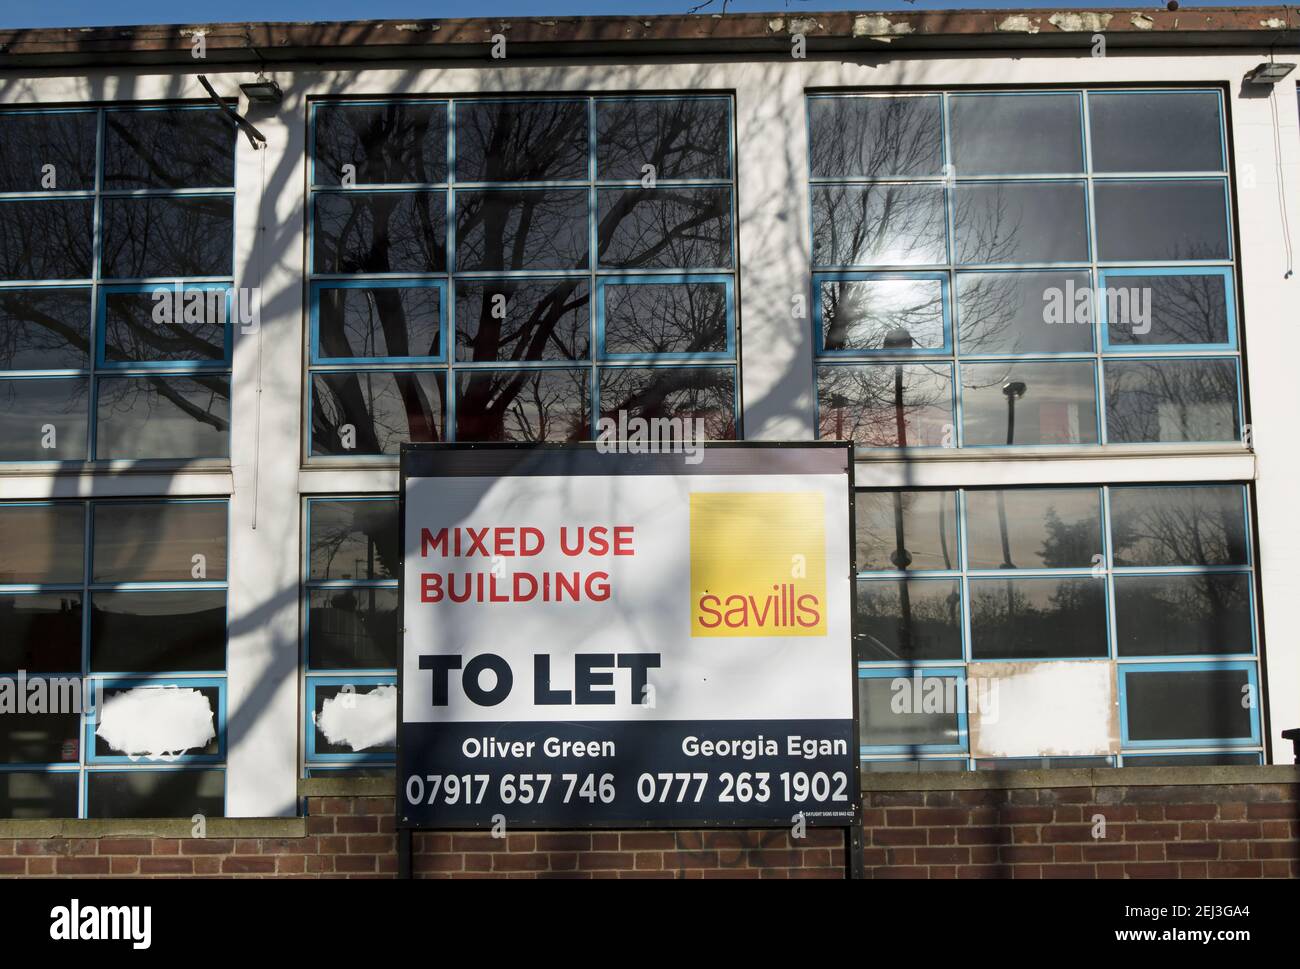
x: 269, y: 473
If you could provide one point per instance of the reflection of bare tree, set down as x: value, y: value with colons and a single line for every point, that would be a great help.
x: 857, y: 315
x: 1021, y: 619
x: 666, y: 318
x: 352, y: 532
x: 1179, y: 526
x: 1171, y: 400
x: 705, y: 393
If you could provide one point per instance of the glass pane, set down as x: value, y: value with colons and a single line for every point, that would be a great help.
x: 379, y: 321
x: 163, y: 417
x: 879, y: 225
x: 914, y: 530
x: 912, y: 619
x: 1187, y: 704
x: 1015, y: 403
x: 886, y: 405
x: 156, y: 793
x: 1021, y: 222
x: 1168, y: 309
x: 1171, y: 400
x: 43, y: 420
x: 379, y: 232
x: 46, y: 238
x: 154, y: 236
x: 1164, y: 220
x: 352, y: 629
x: 1199, y: 525
x: 523, y: 405
x: 1039, y: 618
x: 373, y: 413
x: 394, y: 143
x: 664, y: 228
x: 875, y: 137
x: 989, y: 134
x: 504, y: 229
x: 169, y: 148
x: 353, y: 539
x: 329, y: 692
x: 706, y: 395
x: 38, y: 794
x: 1031, y: 528
x: 929, y: 765
x: 44, y: 329
x: 30, y: 142
x: 165, y: 325
x: 876, y: 314
x: 47, y: 737
x: 156, y: 632
x: 1042, y: 763
x: 1168, y: 615
x: 1166, y: 131
x: 521, y: 141
x: 894, y: 713
x: 1190, y: 760
x: 158, y: 541
x: 522, y: 319
x: 680, y: 137
x: 42, y: 543
x: 1024, y: 312
x: 40, y: 632
x: 688, y: 317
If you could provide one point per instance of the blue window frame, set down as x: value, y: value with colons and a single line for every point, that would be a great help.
x: 929, y: 311
x: 945, y: 182
x: 213, y: 685
x: 138, y: 197
x: 172, y: 303
x: 532, y: 251
x: 1168, y: 570
x: 349, y: 610
x: 343, y: 689
x: 910, y: 688
x: 107, y: 603
x: 1240, y: 683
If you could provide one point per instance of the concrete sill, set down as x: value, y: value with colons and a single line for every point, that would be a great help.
x: 1080, y: 777
x: 152, y: 828
x: 347, y: 787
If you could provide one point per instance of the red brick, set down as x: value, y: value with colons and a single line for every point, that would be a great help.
x: 529, y: 861
x: 1191, y: 812
x: 166, y: 866
x: 1026, y: 815
x: 124, y: 865
x: 1275, y: 849
x: 1235, y: 869
x: 1069, y: 871
x: 349, y: 862
x: 13, y: 866
x: 1191, y: 850
x: 1150, y: 832
x: 357, y: 825
x: 125, y: 846
x: 207, y: 846
x: 1273, y: 810
x: 1235, y: 831
x: 82, y: 866
x: 581, y: 842
x: 1067, y: 832
x: 1152, y: 870
x: 647, y: 841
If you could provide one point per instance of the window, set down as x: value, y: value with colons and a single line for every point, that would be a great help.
x: 113, y: 658
x: 972, y: 288
x: 116, y: 298
x: 350, y: 636
x: 990, y: 622
x: 517, y: 269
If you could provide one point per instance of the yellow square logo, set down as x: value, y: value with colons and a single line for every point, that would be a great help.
x: 758, y: 564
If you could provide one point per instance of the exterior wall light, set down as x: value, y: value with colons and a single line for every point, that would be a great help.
x: 1269, y: 73
x: 262, y: 91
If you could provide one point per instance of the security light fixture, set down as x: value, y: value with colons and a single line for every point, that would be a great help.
x: 262, y: 91
x: 1269, y: 73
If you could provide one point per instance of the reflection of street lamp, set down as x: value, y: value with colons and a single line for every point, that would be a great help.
x: 1014, y: 390
x: 838, y: 402
x: 898, y: 338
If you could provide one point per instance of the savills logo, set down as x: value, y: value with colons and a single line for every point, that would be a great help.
x: 758, y: 564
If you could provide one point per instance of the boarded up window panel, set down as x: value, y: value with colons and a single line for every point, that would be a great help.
x: 1063, y: 709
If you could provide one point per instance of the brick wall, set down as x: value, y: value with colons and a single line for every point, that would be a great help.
x: 1157, y: 825
x: 1159, y: 822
